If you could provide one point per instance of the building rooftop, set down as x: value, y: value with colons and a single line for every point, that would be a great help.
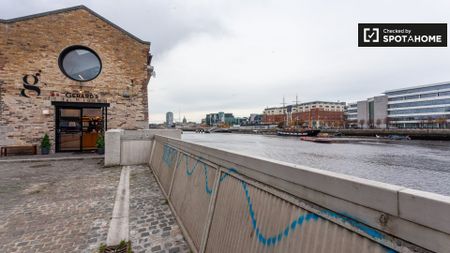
x: 306, y: 103
x: 78, y: 7
x: 416, y: 87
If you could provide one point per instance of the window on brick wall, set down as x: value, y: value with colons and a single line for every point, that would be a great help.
x: 80, y: 63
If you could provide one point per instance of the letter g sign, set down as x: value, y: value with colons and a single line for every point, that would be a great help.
x: 30, y: 86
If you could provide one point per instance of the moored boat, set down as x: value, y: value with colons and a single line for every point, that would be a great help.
x: 309, y: 132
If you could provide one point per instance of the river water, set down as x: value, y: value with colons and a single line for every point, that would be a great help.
x: 421, y: 165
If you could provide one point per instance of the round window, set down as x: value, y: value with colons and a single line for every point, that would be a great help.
x: 80, y: 63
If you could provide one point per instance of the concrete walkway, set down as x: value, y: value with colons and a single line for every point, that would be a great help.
x: 66, y: 206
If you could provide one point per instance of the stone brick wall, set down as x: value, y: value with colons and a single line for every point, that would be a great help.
x: 33, y: 45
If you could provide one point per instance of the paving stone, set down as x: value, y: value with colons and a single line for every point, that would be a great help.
x: 149, y: 205
x: 156, y: 248
x: 66, y: 206
x: 56, y: 206
x: 174, y: 250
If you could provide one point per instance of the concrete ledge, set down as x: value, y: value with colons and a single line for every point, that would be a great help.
x: 132, y: 147
x: 426, y: 208
x: 413, y: 218
x: 113, y: 147
x: 42, y: 159
x: 135, y: 152
x: 149, y: 134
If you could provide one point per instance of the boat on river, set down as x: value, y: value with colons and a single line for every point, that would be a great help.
x: 298, y: 133
x: 394, y: 137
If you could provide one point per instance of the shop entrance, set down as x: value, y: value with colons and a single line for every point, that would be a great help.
x: 78, y: 125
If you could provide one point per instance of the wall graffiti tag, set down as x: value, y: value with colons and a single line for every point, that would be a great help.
x: 170, y: 159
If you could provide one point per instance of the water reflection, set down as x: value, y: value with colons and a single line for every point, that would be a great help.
x: 422, y: 165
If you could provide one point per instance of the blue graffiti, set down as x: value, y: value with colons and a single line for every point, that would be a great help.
x: 354, y: 223
x: 189, y: 172
x: 169, y: 155
x: 389, y: 250
x: 273, y: 240
x: 266, y: 240
x: 170, y: 152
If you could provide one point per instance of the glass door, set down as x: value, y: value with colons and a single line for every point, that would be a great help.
x: 68, y: 129
x: 78, y: 128
x: 92, y: 120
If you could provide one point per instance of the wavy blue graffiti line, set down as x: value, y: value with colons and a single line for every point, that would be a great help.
x: 207, y: 188
x: 226, y: 174
x: 352, y: 221
x: 190, y: 171
x: 275, y: 239
x: 284, y: 233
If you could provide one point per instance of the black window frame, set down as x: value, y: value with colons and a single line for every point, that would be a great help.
x: 67, y: 50
x: 77, y: 105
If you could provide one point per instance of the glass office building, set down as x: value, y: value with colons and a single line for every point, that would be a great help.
x: 351, y: 115
x: 425, y: 106
x: 214, y: 119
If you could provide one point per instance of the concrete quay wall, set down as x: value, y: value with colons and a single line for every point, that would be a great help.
x: 417, y: 134
x: 131, y: 147
x: 228, y: 202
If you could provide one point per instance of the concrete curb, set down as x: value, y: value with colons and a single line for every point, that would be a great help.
x: 119, y: 227
x: 51, y: 159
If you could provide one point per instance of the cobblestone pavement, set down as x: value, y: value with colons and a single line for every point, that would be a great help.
x: 55, y: 206
x: 66, y: 206
x: 153, y: 227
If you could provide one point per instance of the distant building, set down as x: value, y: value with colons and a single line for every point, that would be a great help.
x: 424, y: 106
x: 184, y: 120
x: 372, y: 113
x: 214, y: 119
x: 169, y: 119
x: 316, y: 114
x: 255, y: 119
x: 351, y: 115
x: 240, y: 121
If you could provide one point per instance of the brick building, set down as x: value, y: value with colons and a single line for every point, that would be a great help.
x: 71, y: 74
x: 314, y: 114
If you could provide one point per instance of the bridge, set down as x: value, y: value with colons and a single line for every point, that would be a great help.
x: 213, y: 129
x: 228, y: 202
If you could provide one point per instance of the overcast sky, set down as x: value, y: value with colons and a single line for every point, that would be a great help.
x: 241, y: 56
